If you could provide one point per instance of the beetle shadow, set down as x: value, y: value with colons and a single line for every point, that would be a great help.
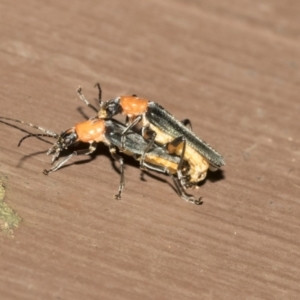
x: 103, y: 150
x: 215, y: 176
x: 81, y: 110
x: 62, y: 155
x: 130, y: 161
x: 152, y: 175
x: 25, y: 131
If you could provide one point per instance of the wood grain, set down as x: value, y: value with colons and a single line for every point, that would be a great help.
x: 232, y: 68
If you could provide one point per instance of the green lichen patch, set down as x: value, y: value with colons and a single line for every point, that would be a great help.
x: 9, y: 220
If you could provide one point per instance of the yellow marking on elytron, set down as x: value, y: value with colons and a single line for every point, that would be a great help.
x: 171, y: 166
x: 158, y: 161
x: 198, y: 164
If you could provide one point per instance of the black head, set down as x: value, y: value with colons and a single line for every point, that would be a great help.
x: 110, y: 108
x: 65, y: 140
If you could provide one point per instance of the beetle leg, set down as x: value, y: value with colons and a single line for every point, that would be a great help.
x: 37, y: 135
x: 115, y: 156
x: 150, y: 135
x: 174, y: 147
x: 187, y: 123
x: 152, y: 167
x: 125, y: 131
x: 183, y: 194
x: 59, y: 164
x: 177, y: 183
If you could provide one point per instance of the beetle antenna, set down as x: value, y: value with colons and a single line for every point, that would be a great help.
x: 82, y: 97
x: 99, y: 93
x: 37, y: 135
x: 46, y: 131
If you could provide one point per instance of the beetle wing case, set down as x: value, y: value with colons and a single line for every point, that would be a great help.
x: 162, y: 119
x: 135, y: 144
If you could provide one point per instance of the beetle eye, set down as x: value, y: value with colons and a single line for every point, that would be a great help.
x: 70, y: 139
x: 113, y: 107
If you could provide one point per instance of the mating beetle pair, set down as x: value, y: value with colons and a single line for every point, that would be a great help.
x: 94, y: 131
x: 160, y: 127
x: 166, y: 145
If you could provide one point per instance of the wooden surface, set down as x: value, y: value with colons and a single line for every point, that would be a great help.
x: 232, y: 67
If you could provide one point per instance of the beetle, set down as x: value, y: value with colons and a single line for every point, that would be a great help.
x: 109, y: 132
x: 161, y: 127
